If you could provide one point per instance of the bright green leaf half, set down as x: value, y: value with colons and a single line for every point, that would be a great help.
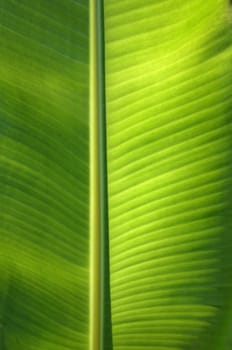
x: 169, y: 109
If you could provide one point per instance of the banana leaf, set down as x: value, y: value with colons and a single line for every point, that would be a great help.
x: 115, y: 166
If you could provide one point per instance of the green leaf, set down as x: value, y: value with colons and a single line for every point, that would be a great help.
x: 44, y: 263
x: 168, y: 94
x: 115, y: 175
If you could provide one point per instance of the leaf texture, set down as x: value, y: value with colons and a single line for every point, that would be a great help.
x: 44, y: 234
x: 168, y: 105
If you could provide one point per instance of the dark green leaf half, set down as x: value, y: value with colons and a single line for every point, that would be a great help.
x: 44, y: 191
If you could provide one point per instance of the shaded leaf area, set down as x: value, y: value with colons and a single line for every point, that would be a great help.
x: 44, y: 175
x: 169, y: 103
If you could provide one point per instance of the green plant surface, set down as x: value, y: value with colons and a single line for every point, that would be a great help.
x: 168, y: 108
x: 115, y: 166
x: 44, y: 169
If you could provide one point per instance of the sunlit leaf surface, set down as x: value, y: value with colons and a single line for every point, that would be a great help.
x: 169, y: 108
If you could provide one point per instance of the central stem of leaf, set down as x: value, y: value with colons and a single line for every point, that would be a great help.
x: 100, y: 308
